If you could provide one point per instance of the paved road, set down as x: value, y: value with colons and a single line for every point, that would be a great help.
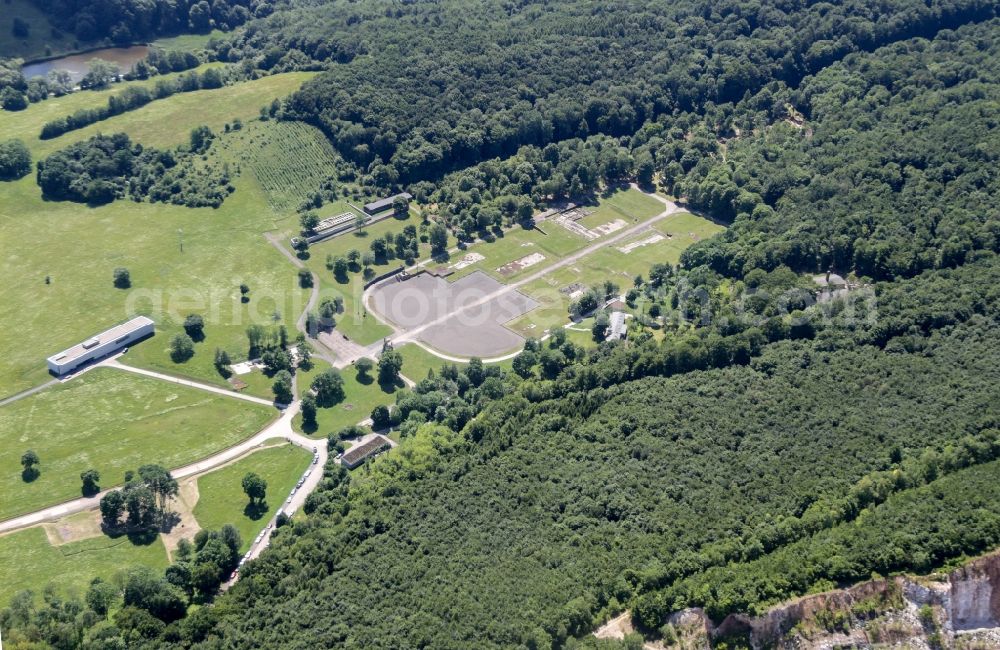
x: 296, y: 501
x: 113, y: 363
x: 321, y: 350
x: 26, y: 393
x: 280, y: 428
x: 411, y: 335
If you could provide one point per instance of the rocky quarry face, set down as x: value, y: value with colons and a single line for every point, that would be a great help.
x: 959, y: 610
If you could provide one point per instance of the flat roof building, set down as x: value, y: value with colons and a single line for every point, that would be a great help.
x: 360, y: 453
x: 101, y: 345
x: 384, y: 204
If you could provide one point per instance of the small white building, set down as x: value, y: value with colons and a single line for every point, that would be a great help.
x: 101, y: 345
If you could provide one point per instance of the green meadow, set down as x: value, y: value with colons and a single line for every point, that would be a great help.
x: 631, y: 205
x: 187, y: 42
x: 676, y: 233
x: 39, y: 42
x: 29, y: 561
x: 221, y: 499
x: 417, y: 362
x: 112, y: 421
x: 360, y: 397
x: 181, y: 260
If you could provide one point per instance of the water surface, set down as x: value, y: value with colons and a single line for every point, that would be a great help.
x: 76, y: 64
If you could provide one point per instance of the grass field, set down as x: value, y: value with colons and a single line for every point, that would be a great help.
x: 221, y: 499
x: 417, y: 361
x: 354, y: 321
x: 516, y: 244
x: 40, y: 42
x: 187, y: 42
x: 27, y: 124
x: 553, y: 240
x: 29, y: 561
x: 631, y: 205
x: 168, y: 122
x: 78, y: 247
x: 112, y: 421
x: 609, y: 263
x: 361, y: 240
x: 360, y: 397
x: 258, y: 384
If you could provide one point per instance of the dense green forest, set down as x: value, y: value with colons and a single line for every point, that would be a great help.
x: 770, y: 444
x: 432, y: 87
x: 106, y: 167
x: 127, y: 21
x: 890, y: 176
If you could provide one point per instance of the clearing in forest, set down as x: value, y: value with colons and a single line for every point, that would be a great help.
x: 290, y: 160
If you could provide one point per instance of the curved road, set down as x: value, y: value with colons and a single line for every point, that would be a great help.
x: 410, y: 335
x: 282, y: 427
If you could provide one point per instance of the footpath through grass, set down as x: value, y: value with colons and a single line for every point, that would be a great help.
x: 29, y: 561
x: 221, y: 499
x: 181, y: 260
x: 112, y: 421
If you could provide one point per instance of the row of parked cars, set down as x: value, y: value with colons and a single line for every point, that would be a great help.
x: 267, y: 530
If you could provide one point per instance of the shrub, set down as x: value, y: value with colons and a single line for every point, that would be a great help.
x: 15, y: 160
x: 181, y: 348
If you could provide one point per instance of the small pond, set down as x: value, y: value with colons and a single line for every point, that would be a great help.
x: 76, y: 64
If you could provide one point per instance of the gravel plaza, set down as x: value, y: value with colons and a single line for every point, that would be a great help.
x: 477, y: 331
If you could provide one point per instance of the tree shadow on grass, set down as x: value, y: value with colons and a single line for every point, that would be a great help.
x: 330, y: 402
x: 309, y: 428
x: 255, y: 510
x: 168, y: 520
x: 29, y: 474
x: 143, y: 537
x: 393, y: 387
x: 365, y: 379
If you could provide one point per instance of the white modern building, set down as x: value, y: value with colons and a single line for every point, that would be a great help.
x: 101, y: 345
